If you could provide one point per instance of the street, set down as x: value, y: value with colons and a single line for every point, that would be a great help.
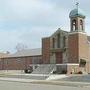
x: 6, y: 85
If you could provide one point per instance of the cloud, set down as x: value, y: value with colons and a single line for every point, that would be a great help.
x: 27, y: 21
x: 31, y: 37
x: 25, y: 9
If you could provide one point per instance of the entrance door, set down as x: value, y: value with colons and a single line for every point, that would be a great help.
x: 58, y: 57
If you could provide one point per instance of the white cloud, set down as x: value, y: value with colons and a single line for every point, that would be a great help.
x: 27, y: 21
x: 30, y: 37
x: 25, y: 9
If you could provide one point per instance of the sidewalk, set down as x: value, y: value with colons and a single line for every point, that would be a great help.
x: 16, y: 79
x: 60, y: 83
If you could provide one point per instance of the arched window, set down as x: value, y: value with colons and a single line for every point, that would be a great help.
x: 81, y: 25
x: 74, y: 25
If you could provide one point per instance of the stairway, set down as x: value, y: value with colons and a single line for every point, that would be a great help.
x: 44, y: 69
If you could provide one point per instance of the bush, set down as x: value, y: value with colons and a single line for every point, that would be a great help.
x: 27, y: 71
x: 80, y: 72
x: 71, y: 73
x: 64, y: 71
x: 54, y: 72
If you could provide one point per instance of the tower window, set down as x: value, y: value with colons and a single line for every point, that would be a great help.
x: 74, y: 25
x: 81, y: 25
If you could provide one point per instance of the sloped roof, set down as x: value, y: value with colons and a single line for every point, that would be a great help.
x: 58, y: 31
x: 27, y: 52
x: 2, y: 55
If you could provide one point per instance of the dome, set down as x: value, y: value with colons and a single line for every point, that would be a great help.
x: 77, y: 12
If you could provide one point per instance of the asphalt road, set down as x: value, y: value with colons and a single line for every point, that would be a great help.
x: 5, y: 85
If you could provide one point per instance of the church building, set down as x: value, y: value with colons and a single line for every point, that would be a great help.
x: 70, y: 51
x: 63, y: 52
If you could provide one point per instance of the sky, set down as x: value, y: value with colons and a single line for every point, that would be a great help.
x: 27, y: 21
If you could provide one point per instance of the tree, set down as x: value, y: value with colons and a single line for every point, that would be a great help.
x: 20, y: 47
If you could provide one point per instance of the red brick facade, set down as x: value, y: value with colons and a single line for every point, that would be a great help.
x: 78, y: 47
x: 18, y: 63
x: 73, y: 48
x: 46, y: 50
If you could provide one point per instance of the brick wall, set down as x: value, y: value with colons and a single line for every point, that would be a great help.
x: 78, y: 47
x: 83, y: 47
x: 17, y: 63
x: 46, y: 50
x: 73, y: 48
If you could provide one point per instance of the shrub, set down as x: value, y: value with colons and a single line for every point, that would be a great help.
x: 80, y: 72
x: 64, y: 71
x: 27, y: 71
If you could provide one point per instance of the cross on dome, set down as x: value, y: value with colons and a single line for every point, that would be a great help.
x: 77, y: 4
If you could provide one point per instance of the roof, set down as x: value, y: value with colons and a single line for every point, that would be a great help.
x: 58, y: 31
x: 27, y: 52
x: 77, y: 12
x: 2, y: 55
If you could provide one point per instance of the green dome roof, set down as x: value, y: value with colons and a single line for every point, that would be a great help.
x: 77, y: 12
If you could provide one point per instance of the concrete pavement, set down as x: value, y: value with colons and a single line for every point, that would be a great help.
x: 26, y: 79
x: 46, y: 82
x: 4, y: 85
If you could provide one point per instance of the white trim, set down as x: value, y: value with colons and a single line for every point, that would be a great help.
x: 77, y: 32
x: 68, y: 64
x: 56, y: 64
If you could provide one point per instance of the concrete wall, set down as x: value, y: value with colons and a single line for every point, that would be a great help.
x: 73, y: 68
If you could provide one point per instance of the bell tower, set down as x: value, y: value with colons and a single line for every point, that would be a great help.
x: 77, y: 20
x: 77, y: 38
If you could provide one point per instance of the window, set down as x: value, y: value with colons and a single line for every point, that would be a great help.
x: 81, y: 25
x: 18, y: 60
x: 53, y: 42
x: 64, y: 41
x: 58, y: 40
x: 74, y: 25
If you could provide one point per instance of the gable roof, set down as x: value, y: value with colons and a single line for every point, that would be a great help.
x: 2, y: 55
x: 58, y: 31
x: 27, y: 52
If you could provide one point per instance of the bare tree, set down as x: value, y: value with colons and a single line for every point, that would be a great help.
x: 21, y: 46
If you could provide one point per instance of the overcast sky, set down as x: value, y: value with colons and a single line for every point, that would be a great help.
x: 27, y: 21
